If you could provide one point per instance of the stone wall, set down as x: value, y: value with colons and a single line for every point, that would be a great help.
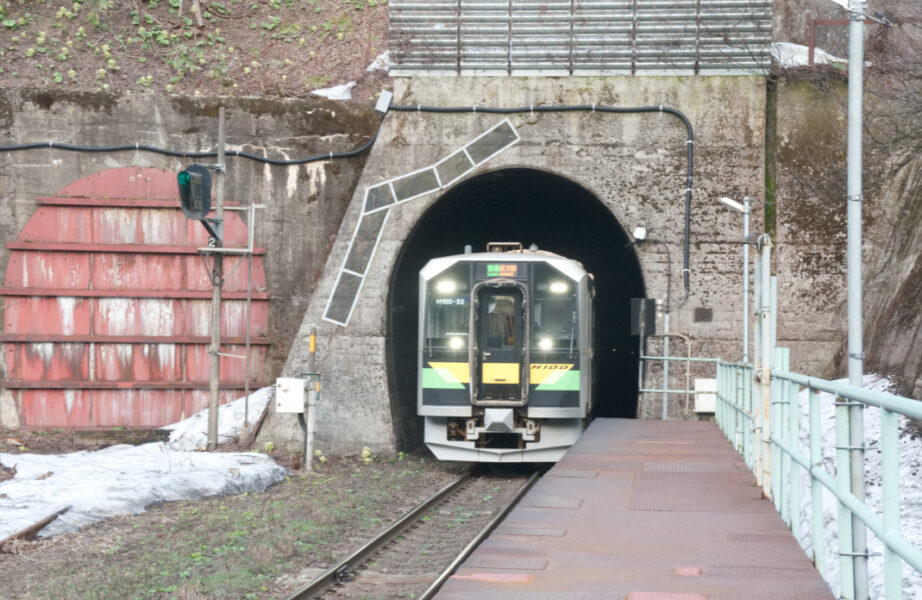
x: 810, y: 238
x: 634, y: 164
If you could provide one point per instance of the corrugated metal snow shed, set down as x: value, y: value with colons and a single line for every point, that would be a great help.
x: 106, y: 307
x: 580, y: 37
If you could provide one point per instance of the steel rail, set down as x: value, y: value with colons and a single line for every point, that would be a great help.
x: 336, y: 572
x: 481, y: 535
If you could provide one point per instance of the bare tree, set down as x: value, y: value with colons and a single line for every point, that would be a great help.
x: 895, y: 77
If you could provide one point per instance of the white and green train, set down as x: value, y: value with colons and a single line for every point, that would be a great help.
x: 505, y: 354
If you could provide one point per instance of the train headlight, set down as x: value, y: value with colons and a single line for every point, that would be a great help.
x: 455, y: 343
x: 545, y: 343
x: 446, y: 286
x: 559, y: 287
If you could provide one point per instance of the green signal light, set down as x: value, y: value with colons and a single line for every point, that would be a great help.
x: 194, y: 191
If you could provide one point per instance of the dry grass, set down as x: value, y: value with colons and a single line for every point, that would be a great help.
x: 248, y: 546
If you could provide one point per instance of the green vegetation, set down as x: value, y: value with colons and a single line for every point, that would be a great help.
x: 168, y: 45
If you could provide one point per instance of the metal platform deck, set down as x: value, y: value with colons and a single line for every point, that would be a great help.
x: 642, y: 510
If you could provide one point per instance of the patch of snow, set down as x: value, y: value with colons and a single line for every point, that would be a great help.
x: 126, y: 479
x: 337, y: 92
x: 910, y: 451
x: 794, y: 55
x: 381, y: 62
x: 192, y: 433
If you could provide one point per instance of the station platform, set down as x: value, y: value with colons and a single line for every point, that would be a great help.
x: 642, y: 510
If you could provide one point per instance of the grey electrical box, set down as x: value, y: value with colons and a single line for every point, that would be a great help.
x: 289, y: 395
x: 643, y: 315
x: 384, y: 102
x: 312, y: 385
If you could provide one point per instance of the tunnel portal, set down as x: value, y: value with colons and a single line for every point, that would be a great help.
x: 531, y: 207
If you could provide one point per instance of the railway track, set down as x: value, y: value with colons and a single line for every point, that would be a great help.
x: 416, y: 554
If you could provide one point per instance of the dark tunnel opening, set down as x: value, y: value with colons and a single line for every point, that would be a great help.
x: 527, y: 206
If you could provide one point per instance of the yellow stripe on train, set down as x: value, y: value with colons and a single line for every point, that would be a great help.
x: 501, y: 372
x: 539, y: 372
x: 459, y: 372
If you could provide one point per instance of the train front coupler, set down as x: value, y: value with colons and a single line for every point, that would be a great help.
x: 501, y: 420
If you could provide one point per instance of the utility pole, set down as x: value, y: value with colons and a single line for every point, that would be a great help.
x: 856, y: 9
x: 746, y: 210
x: 765, y: 339
x: 217, y: 282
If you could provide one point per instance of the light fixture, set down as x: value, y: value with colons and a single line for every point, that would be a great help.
x: 748, y: 240
x: 455, y: 343
x: 752, y: 239
x: 445, y: 286
x: 559, y: 287
x: 545, y: 343
x: 730, y: 202
x: 640, y: 234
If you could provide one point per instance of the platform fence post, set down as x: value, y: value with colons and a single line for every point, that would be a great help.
x: 890, y: 491
x: 794, y: 437
x: 719, y: 407
x: 756, y: 401
x: 777, y: 433
x: 843, y: 485
x: 784, y: 459
x: 747, y: 405
x: 817, y: 532
x: 767, y: 425
x: 739, y: 397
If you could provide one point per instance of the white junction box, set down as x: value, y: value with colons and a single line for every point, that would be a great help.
x: 289, y: 395
x: 705, y: 395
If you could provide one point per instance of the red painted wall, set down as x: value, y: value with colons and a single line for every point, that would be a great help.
x: 108, y: 307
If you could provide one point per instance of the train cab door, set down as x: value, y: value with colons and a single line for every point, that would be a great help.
x: 499, y: 327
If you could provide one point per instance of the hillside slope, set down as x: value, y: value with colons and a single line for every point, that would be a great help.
x: 283, y: 48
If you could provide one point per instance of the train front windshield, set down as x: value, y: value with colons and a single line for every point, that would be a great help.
x: 448, y: 302
x: 554, y: 318
x: 513, y: 321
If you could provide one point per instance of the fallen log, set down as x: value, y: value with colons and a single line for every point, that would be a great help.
x: 29, y: 532
x: 96, y: 438
x: 250, y: 436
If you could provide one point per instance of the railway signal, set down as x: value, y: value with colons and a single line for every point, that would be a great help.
x: 195, y: 191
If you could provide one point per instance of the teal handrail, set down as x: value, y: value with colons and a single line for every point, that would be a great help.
x: 736, y: 389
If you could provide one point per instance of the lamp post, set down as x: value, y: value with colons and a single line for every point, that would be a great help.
x: 745, y: 209
x: 640, y: 235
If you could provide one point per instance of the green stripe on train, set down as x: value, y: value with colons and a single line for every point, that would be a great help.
x: 433, y: 380
x: 568, y: 381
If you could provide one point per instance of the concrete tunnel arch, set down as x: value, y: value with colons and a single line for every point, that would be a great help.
x: 530, y: 206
